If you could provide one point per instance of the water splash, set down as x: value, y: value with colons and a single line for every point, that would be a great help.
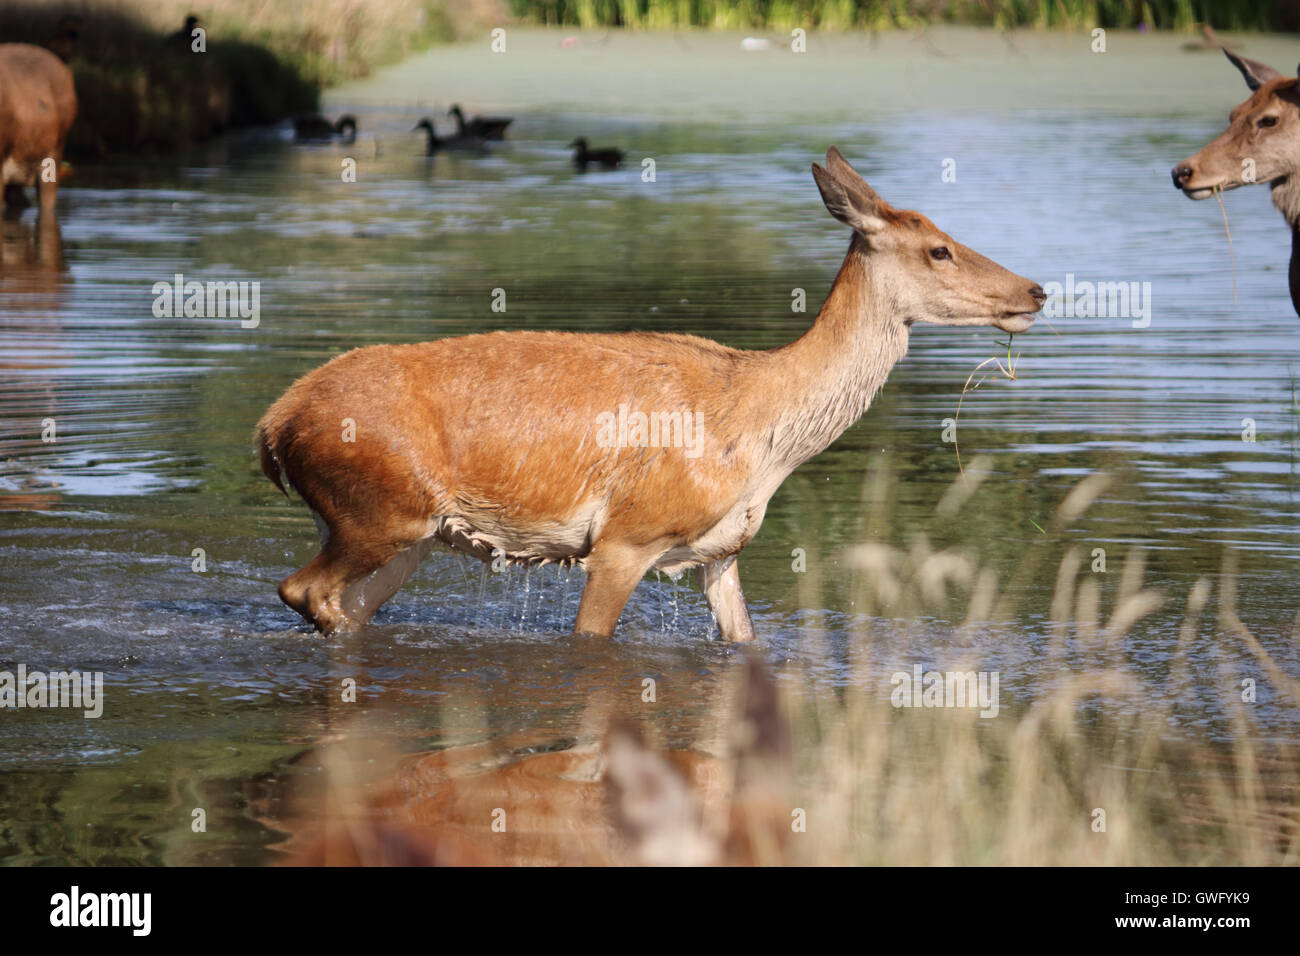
x: 659, y: 594
x: 528, y: 584
x: 672, y: 625
x: 482, y: 589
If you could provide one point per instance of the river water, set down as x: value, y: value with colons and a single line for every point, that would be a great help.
x: 1061, y: 161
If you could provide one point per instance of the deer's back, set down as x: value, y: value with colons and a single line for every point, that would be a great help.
x: 37, y: 106
x: 505, y: 429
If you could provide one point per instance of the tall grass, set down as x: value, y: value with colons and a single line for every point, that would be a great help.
x: 882, y: 14
x: 944, y: 786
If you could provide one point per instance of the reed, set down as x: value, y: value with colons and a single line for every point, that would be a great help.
x: 884, y: 14
x: 944, y: 786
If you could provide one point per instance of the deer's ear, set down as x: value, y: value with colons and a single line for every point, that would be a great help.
x: 1255, y: 74
x: 836, y: 162
x: 848, y: 176
x: 854, y: 210
x: 1290, y: 92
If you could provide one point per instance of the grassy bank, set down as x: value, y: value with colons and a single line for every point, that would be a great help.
x: 884, y: 14
x: 141, y: 85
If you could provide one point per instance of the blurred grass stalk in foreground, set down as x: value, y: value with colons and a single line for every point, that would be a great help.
x: 940, y: 786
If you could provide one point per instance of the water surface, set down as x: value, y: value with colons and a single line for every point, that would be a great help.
x: 1061, y: 159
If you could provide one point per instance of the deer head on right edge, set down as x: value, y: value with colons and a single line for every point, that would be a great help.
x: 1260, y: 145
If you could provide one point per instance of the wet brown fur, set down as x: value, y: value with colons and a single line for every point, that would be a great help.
x: 487, y: 443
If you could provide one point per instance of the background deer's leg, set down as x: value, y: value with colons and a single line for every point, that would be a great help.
x: 48, y: 192
x: 48, y: 189
x: 720, y: 582
x: 15, y: 200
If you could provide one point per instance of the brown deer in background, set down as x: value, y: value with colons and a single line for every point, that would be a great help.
x: 503, y: 444
x: 1260, y: 145
x: 37, y: 106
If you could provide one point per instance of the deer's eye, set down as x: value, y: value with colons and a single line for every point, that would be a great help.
x: 940, y: 253
x: 1266, y: 121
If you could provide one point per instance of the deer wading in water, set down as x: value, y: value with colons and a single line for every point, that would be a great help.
x: 1260, y: 145
x: 38, y: 103
x: 618, y: 452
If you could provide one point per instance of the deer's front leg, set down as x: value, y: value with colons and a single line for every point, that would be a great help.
x: 720, y: 582
x: 613, y: 572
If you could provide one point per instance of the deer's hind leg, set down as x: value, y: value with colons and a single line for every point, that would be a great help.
x: 361, y: 600
x: 357, y: 570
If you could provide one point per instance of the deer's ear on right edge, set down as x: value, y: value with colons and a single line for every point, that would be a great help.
x: 844, y: 206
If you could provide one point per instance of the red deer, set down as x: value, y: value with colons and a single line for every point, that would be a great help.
x: 1260, y: 145
x: 37, y: 106
x: 503, y: 444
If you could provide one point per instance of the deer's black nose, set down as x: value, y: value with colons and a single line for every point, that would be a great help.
x: 1181, y: 173
x: 1038, y: 294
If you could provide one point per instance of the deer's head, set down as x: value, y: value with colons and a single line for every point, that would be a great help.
x: 931, y: 276
x: 1261, y: 143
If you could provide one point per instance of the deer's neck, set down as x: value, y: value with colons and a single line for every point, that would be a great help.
x: 826, y: 379
x: 1286, y: 197
x: 1294, y: 272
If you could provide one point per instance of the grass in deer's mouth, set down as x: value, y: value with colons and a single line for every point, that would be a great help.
x: 1007, y: 371
x: 1232, y: 259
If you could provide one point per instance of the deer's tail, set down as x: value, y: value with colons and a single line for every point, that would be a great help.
x: 270, y: 463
